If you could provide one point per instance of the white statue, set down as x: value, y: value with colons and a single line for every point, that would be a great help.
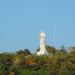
x: 42, y: 44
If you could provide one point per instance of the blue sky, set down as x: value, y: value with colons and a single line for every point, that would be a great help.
x: 22, y: 20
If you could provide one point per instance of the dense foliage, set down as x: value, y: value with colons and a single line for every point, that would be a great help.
x: 58, y: 62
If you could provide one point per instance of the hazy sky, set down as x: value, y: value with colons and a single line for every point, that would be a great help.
x: 22, y: 20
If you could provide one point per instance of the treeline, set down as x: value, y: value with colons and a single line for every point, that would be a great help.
x: 23, y: 62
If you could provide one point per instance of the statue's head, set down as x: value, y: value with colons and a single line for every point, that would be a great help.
x: 42, y: 34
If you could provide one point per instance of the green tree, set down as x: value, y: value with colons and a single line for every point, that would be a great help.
x: 62, y: 49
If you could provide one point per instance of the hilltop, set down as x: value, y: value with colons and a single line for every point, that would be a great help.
x: 23, y: 62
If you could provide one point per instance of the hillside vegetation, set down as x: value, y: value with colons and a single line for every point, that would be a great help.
x: 58, y: 62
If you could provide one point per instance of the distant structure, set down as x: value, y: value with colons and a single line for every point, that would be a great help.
x: 71, y: 49
x: 42, y: 45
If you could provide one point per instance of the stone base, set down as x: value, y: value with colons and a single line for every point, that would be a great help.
x: 42, y: 53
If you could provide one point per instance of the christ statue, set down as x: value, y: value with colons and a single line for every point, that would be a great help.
x: 42, y: 44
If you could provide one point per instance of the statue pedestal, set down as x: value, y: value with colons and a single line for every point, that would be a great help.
x: 42, y: 53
